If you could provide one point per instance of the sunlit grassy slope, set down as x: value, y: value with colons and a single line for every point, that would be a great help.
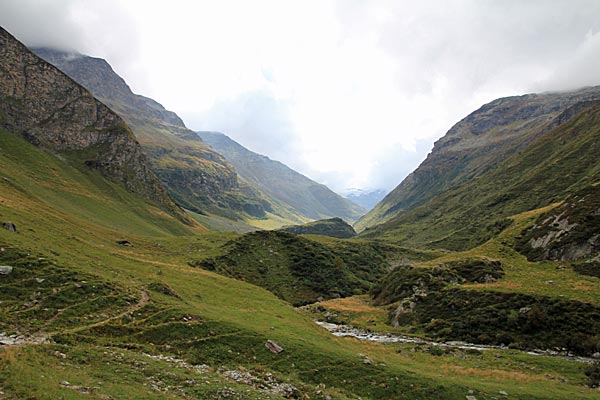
x: 138, y: 322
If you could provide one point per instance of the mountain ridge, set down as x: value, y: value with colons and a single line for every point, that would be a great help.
x: 559, y: 162
x: 197, y: 177
x: 305, y: 196
x: 476, y: 144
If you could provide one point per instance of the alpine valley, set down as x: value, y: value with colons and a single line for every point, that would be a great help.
x: 142, y: 260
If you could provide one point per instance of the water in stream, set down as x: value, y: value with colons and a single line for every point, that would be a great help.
x: 350, y: 331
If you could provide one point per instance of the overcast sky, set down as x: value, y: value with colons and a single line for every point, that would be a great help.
x: 351, y: 93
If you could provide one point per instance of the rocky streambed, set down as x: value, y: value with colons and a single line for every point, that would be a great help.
x: 350, y: 331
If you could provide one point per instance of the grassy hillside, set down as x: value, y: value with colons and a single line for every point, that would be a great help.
x: 302, y: 270
x: 294, y: 191
x: 558, y: 163
x: 139, y: 322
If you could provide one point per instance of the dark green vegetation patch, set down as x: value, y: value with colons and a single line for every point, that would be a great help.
x: 333, y: 227
x: 406, y: 281
x: 516, y: 320
x: 299, y: 270
x: 424, y: 300
x: 590, y: 268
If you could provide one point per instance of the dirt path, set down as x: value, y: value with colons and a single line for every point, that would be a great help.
x: 42, y: 337
x: 144, y: 300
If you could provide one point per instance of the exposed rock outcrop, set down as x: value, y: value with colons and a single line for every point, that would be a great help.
x: 570, y: 232
x: 9, y: 226
x: 50, y: 110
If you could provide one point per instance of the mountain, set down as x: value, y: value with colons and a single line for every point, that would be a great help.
x: 299, y: 194
x: 476, y: 144
x: 197, y: 177
x: 510, y: 156
x: 334, y: 227
x: 49, y: 110
x: 367, y: 199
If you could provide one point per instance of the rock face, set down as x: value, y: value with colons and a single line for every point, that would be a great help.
x: 195, y: 175
x: 104, y: 83
x: 50, y: 110
x: 477, y: 144
x: 570, y: 232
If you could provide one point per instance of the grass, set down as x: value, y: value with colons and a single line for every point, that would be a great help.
x: 190, y: 314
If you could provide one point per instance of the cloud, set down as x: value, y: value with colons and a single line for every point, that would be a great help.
x: 42, y: 23
x: 101, y: 29
x: 578, y: 70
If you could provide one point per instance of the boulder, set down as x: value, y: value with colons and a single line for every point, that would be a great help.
x: 9, y: 226
x: 273, y: 347
x: 5, y: 269
x: 124, y: 243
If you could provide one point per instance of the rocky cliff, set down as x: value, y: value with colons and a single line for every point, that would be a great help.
x: 50, y: 110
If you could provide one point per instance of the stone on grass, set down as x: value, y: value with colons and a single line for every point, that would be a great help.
x: 9, y: 226
x: 5, y: 269
x: 273, y: 347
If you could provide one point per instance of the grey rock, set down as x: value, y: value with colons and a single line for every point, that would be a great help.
x: 5, y: 269
x: 273, y: 347
x: 9, y: 226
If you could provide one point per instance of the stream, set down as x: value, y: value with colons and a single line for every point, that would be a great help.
x: 350, y: 331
